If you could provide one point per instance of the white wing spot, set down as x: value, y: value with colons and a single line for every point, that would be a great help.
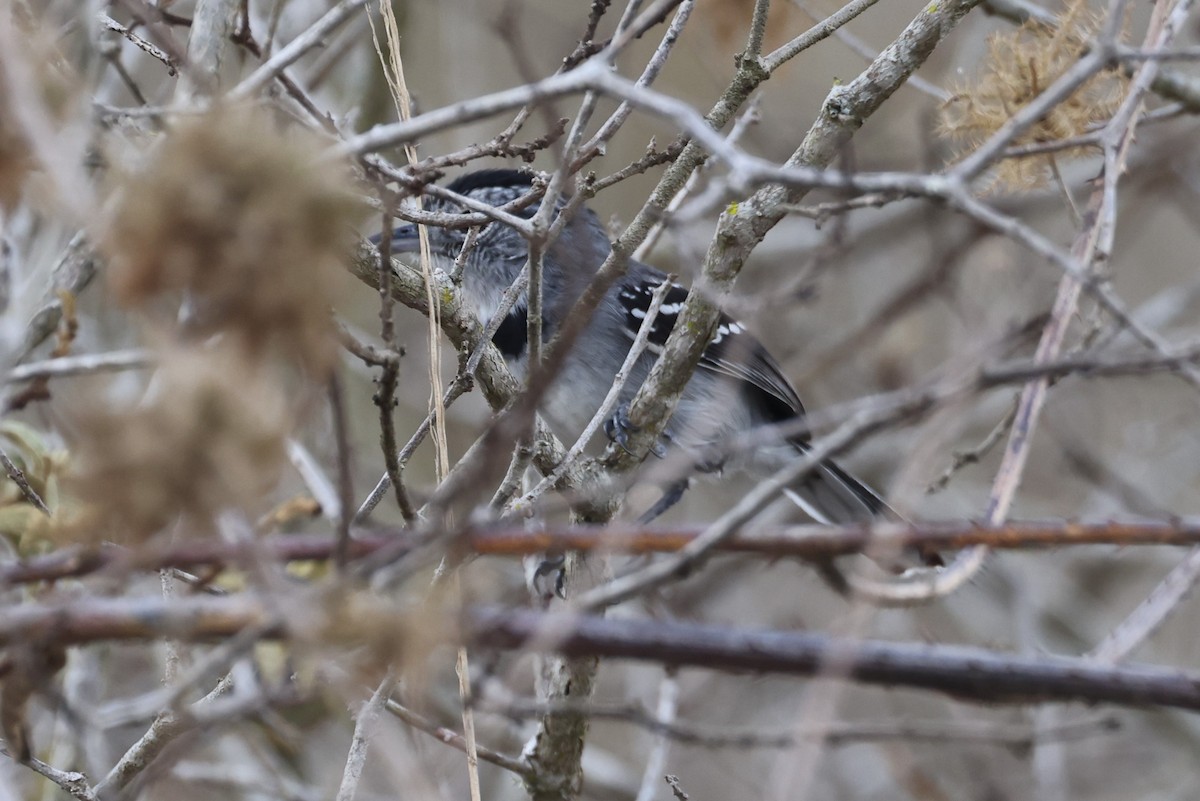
x: 727, y: 329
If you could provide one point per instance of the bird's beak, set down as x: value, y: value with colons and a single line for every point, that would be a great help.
x: 404, y: 239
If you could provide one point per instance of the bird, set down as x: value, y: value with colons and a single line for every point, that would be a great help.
x: 737, y: 387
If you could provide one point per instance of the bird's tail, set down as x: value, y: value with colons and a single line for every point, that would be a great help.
x: 831, y: 496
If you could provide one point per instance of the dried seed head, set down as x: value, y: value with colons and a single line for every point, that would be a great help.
x: 209, y: 437
x: 1019, y: 66
x: 252, y: 223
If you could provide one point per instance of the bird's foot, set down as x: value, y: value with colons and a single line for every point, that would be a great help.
x: 619, y: 428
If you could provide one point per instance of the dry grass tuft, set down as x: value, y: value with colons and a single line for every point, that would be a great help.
x: 210, y: 437
x: 251, y: 222
x: 1019, y: 66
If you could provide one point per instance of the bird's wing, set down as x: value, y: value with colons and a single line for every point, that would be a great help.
x: 733, y: 351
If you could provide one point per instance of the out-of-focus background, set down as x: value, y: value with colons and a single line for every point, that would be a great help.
x: 853, y: 304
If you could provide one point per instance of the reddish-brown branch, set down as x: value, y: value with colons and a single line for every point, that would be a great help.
x: 803, y: 542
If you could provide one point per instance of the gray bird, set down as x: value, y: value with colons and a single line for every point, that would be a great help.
x: 738, y: 386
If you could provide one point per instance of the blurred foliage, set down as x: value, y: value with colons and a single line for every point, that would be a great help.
x: 25, y: 526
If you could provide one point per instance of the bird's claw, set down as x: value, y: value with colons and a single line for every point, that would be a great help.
x: 619, y: 428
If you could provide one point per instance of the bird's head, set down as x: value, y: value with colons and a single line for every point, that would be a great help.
x: 501, y: 249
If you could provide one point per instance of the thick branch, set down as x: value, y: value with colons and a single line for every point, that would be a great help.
x: 971, y: 674
x: 213, y: 22
x: 967, y: 673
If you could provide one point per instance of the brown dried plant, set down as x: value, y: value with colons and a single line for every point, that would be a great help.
x: 33, y: 75
x: 250, y: 221
x: 1019, y: 66
x: 209, y: 436
x: 16, y: 158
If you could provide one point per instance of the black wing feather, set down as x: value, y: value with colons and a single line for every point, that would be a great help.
x: 732, y: 352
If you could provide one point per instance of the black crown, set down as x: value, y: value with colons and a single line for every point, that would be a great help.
x: 499, y: 178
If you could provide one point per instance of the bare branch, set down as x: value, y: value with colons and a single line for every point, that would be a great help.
x: 147, y: 47
x: 166, y: 728
x: 963, y: 673
x: 213, y: 23
x: 73, y: 783
x: 456, y: 740
x: 83, y: 364
x: 18, y: 477
x: 847, y: 733
x: 364, y: 726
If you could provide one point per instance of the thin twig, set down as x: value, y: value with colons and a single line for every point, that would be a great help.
x: 71, y: 274
x: 818, y: 32
x: 313, y: 37
x: 345, y: 481
x: 1149, y: 615
x: 604, y: 412
x: 385, y: 396
x: 456, y: 740
x: 370, y: 355
x: 149, y: 48
x: 835, y: 734
x: 73, y: 783
x: 314, y: 477
x: 84, y: 364
x: 668, y: 704
x: 364, y: 728
x: 167, y: 727
x: 18, y: 478
x: 973, y: 455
